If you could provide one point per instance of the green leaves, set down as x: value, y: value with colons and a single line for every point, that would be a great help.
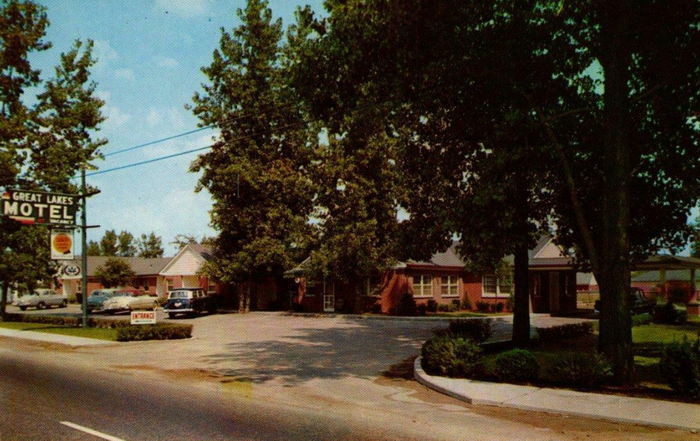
x: 114, y: 273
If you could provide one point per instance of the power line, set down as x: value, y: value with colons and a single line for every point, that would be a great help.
x: 232, y: 118
x: 148, y: 161
x: 157, y: 141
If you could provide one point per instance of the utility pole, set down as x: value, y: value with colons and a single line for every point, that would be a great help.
x: 83, y: 240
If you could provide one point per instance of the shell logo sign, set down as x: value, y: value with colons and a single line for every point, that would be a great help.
x: 62, y: 244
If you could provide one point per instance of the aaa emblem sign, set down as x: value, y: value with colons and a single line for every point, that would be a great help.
x: 62, y: 244
x: 31, y: 207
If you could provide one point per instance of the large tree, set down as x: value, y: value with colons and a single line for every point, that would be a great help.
x: 150, y: 245
x: 622, y: 141
x: 114, y: 272
x: 255, y: 169
x: 45, y: 143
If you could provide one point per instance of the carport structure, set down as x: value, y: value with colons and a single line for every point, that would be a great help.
x: 666, y: 262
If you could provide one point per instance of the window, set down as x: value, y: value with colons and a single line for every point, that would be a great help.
x: 494, y: 286
x: 449, y: 286
x: 422, y: 285
x: 374, y: 285
x: 211, y: 287
x: 171, y: 284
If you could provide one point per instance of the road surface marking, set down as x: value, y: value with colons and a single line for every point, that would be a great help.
x: 90, y: 431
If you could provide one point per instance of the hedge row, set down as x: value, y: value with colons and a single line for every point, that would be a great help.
x: 161, y: 331
x: 125, y: 330
x: 563, y: 332
x: 66, y: 321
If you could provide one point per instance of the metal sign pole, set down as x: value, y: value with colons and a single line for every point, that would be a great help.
x: 83, y: 239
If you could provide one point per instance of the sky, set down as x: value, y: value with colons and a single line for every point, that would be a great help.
x: 149, y: 57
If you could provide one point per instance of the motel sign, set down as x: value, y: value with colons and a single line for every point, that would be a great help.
x: 30, y: 207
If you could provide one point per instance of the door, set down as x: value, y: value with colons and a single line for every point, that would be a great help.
x: 328, y: 302
x: 554, y: 291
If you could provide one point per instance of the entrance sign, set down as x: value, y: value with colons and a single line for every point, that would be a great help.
x: 143, y: 317
x: 62, y: 244
x: 32, y: 207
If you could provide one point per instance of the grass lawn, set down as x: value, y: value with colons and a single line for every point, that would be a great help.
x: 98, y: 333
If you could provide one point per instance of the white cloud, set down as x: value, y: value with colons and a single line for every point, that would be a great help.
x: 125, y: 74
x: 184, y: 8
x: 154, y: 117
x: 104, y: 53
x: 166, y: 62
x: 115, y: 116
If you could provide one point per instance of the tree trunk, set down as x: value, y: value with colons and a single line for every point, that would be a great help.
x: 615, y: 339
x: 243, y: 297
x: 521, y: 300
x: 3, y: 298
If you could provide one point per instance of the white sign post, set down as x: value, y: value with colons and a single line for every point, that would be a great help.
x: 143, y: 317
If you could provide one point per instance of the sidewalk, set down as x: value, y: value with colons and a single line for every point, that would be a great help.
x: 53, y: 338
x: 614, y: 408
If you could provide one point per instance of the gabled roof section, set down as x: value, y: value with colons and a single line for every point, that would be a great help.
x: 448, y: 258
x: 141, y: 266
x: 187, y: 261
x: 655, y: 276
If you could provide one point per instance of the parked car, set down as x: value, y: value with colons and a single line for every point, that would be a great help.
x: 96, y: 299
x: 638, y: 302
x: 128, y: 300
x: 41, y: 299
x: 189, y: 301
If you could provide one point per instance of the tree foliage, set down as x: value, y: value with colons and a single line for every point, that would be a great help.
x: 43, y: 141
x: 254, y: 171
x: 114, y: 272
x: 150, y: 246
x: 496, y: 105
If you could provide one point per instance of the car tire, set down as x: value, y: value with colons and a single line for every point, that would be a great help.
x: 23, y: 308
x: 171, y: 315
x: 41, y: 305
x: 63, y: 304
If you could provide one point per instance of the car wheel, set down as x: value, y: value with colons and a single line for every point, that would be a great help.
x: 63, y: 304
x: 23, y: 308
x: 171, y: 315
x: 41, y: 305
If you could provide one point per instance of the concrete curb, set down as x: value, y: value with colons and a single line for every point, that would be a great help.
x: 619, y: 409
x: 382, y: 317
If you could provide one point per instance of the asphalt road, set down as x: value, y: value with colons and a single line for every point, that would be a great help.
x: 41, y: 401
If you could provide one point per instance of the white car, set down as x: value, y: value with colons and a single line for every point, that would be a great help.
x: 129, y: 301
x: 41, y: 299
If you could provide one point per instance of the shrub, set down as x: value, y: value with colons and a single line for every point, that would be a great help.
x: 516, y: 365
x: 499, y: 307
x: 680, y: 366
x: 578, y: 370
x: 563, y: 332
x: 670, y: 313
x: 641, y: 319
x: 450, y: 356
x: 466, y: 304
x: 483, y: 306
x: 422, y: 309
x: 456, y: 304
x: 432, y: 306
x: 406, y: 306
x: 161, y: 331
x: 442, y: 307
x: 478, y: 330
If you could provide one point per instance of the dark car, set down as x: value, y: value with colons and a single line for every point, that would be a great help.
x: 189, y: 301
x: 638, y: 302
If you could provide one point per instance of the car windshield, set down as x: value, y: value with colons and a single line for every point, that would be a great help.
x: 179, y: 295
